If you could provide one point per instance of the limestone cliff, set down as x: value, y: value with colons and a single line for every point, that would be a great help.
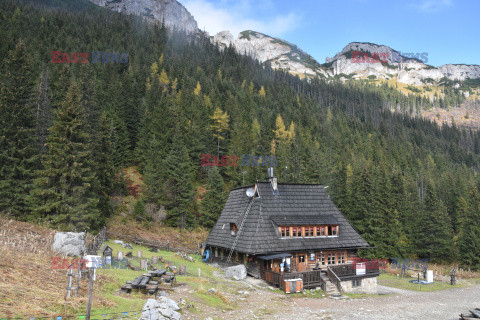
x: 279, y: 53
x: 170, y: 12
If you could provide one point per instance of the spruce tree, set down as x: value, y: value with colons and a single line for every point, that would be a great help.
x: 179, y: 187
x: 469, y: 238
x: 214, y: 199
x: 434, y: 237
x: 155, y: 173
x: 18, y: 147
x: 103, y: 163
x: 65, y: 193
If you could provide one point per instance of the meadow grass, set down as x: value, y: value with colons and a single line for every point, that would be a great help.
x: 394, y: 281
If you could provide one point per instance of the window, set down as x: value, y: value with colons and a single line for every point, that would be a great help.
x: 233, y: 229
x: 333, y: 230
x: 285, y: 231
x: 320, y: 231
x: 309, y: 232
x: 301, y: 258
x: 331, y: 258
x: 322, y: 258
x: 357, y: 283
x: 341, y: 257
x: 296, y: 232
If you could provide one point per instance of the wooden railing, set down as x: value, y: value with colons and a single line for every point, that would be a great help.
x: 310, y: 279
x: 96, y: 242
x: 274, y: 278
x: 334, y: 278
x: 348, y: 271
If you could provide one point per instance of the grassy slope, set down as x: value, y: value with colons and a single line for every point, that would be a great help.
x: 31, y: 288
x: 390, y: 280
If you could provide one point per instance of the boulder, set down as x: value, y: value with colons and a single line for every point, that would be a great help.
x: 127, y: 246
x: 69, y: 243
x: 169, y: 303
x: 236, y: 272
x: 160, y: 309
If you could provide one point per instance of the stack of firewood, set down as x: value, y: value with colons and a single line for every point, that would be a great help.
x: 150, y: 282
x: 474, y: 314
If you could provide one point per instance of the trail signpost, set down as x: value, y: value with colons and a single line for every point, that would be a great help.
x: 92, y: 262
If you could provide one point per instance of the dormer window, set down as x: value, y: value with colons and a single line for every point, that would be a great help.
x: 233, y: 229
x: 308, y: 231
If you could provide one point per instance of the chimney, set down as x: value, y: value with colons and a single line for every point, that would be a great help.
x: 272, y: 179
x: 270, y: 173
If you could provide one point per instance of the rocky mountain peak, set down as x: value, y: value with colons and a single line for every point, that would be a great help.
x: 279, y: 53
x: 354, y: 61
x: 170, y: 12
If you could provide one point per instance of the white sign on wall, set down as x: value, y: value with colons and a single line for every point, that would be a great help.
x: 360, y: 268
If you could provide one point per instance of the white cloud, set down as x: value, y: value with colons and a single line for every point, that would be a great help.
x: 234, y: 17
x: 432, y: 5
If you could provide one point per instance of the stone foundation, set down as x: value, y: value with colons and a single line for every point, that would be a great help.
x: 368, y: 286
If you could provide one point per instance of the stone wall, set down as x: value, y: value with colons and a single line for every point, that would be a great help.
x: 369, y: 286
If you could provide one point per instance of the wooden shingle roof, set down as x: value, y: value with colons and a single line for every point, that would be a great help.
x: 298, y: 204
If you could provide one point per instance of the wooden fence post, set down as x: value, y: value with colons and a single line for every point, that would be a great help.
x: 182, y: 270
x: 168, y: 245
x: 79, y: 275
x: 90, y: 293
x: 143, y: 264
x: 69, y: 285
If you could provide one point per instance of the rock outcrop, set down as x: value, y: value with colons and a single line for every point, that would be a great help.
x: 236, y: 272
x: 69, y: 243
x: 170, y: 12
x: 160, y: 309
x: 460, y: 71
x: 408, y: 70
x: 279, y: 53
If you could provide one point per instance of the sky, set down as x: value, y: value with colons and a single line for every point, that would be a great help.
x: 447, y: 30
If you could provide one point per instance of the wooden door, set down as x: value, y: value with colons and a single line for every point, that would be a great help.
x: 301, y: 262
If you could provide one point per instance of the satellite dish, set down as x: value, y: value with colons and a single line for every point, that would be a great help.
x: 250, y: 192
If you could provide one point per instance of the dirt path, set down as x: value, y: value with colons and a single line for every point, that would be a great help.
x: 395, y: 304
x: 401, y: 304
